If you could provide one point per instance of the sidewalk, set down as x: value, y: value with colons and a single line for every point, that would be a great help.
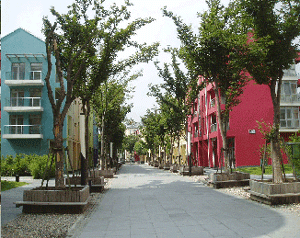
x: 147, y: 202
x: 9, y: 211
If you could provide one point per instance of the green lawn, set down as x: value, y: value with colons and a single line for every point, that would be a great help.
x: 6, y: 185
x: 268, y: 169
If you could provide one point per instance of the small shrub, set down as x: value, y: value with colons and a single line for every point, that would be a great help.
x: 24, y: 165
x: 38, y: 165
x: 21, y: 164
x: 7, y: 166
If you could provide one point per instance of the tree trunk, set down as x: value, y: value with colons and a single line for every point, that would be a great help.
x: 102, y: 143
x: 275, y: 142
x: 179, y: 150
x: 85, y: 165
x: 59, y: 154
x: 222, y: 130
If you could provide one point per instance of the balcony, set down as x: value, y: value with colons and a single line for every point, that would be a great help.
x: 23, y: 104
x: 35, y: 78
x: 287, y: 100
x: 22, y: 132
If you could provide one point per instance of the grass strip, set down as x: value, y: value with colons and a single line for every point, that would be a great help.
x: 6, y: 185
x: 256, y: 170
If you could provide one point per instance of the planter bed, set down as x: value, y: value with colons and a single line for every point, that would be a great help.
x: 97, y: 183
x: 195, y: 171
x: 174, y: 168
x: 224, y: 180
x: 52, y: 200
x: 166, y: 167
x: 273, y: 194
x: 106, y: 173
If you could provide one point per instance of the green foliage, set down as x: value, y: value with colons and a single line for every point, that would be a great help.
x: 294, y: 152
x: 152, y: 129
x: 109, y: 104
x: 129, y: 142
x: 6, y: 185
x: 38, y: 166
x: 267, y: 130
x: 25, y: 165
x: 140, y: 147
x: 18, y: 165
x: 173, y: 98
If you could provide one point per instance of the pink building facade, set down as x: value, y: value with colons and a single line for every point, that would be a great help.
x: 244, y: 137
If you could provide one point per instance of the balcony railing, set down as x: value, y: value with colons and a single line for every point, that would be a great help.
x: 213, y: 127
x: 290, y: 98
x: 33, y: 75
x: 33, y: 78
x: 23, y: 102
x: 22, y: 129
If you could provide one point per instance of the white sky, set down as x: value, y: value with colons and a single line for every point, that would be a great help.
x: 28, y: 15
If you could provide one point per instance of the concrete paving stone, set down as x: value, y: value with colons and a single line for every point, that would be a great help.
x: 219, y: 230
x: 91, y: 234
x: 170, y: 234
x: 161, y: 224
x: 142, y: 232
x: 191, y: 229
x: 251, y: 232
x: 158, y: 203
x: 146, y: 235
x: 186, y: 223
x: 202, y: 234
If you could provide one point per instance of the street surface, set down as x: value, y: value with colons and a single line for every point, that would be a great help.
x: 144, y: 202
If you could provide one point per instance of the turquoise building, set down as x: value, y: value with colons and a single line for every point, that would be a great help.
x: 27, y: 119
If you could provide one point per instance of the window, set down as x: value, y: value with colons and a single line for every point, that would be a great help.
x: 16, y: 122
x: 17, y: 98
x: 18, y: 71
x: 36, y: 71
x: 289, y: 117
x: 213, y: 126
x: 35, y: 122
x: 35, y: 97
x: 289, y: 91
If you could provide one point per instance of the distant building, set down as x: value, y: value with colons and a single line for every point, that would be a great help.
x: 244, y: 138
x: 27, y: 118
x: 132, y: 130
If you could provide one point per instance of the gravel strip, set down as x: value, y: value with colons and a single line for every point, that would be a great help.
x: 50, y: 225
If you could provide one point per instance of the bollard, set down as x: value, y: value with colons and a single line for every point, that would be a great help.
x: 17, y: 178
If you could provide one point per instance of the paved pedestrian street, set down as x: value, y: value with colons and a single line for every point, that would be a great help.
x: 146, y: 202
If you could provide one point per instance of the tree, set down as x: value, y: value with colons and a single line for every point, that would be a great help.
x: 276, y: 24
x: 140, y: 147
x: 110, y: 109
x: 72, y: 39
x: 150, y: 130
x: 216, y: 54
x: 172, y: 96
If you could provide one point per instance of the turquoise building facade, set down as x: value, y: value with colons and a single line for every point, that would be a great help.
x: 27, y: 119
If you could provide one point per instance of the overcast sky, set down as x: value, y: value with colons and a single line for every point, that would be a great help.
x: 28, y: 14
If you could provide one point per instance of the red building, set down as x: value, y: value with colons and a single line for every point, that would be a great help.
x: 243, y: 135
